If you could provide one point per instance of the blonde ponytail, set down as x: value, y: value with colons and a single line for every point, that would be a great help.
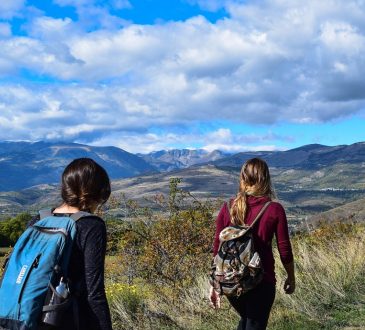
x: 254, y: 181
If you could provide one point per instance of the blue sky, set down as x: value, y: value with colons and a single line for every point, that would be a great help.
x: 147, y: 75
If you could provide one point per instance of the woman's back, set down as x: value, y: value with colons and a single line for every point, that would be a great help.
x: 272, y: 222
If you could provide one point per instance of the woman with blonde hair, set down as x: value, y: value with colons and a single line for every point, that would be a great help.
x: 255, y: 190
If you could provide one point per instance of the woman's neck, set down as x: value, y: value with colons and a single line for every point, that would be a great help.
x: 64, y: 208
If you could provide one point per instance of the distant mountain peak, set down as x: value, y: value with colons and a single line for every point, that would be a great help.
x: 310, y: 147
x: 168, y: 160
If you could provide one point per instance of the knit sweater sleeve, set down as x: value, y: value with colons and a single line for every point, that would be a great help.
x: 93, y: 246
x: 220, y: 225
x: 282, y: 236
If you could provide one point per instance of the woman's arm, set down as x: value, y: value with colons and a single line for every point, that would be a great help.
x: 285, y: 250
x: 94, y: 249
x: 220, y: 224
x: 289, y: 285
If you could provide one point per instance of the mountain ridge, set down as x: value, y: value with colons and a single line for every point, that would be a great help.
x: 169, y: 160
x: 25, y: 164
x: 312, y: 156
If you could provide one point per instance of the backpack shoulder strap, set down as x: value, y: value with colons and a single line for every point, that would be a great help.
x: 263, y: 209
x: 45, y: 213
x: 75, y: 216
x: 81, y: 214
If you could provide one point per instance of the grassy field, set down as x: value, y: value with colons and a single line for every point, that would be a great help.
x: 330, y: 291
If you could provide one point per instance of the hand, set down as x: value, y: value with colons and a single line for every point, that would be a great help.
x: 289, y: 286
x: 214, y: 298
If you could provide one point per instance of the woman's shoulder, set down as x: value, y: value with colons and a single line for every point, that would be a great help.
x: 90, y: 231
x: 228, y: 203
x: 277, y: 208
x: 91, y: 222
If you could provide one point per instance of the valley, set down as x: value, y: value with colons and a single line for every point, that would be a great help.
x: 307, y: 180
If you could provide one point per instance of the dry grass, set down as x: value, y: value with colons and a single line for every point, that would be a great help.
x: 330, y: 292
x: 330, y: 269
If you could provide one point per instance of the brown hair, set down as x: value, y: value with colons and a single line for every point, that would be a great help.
x: 85, y: 184
x: 254, y: 181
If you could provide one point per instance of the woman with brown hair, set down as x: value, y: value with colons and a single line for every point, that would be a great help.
x: 255, y: 190
x: 85, y: 187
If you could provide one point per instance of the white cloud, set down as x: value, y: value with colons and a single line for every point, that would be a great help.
x: 270, y: 61
x: 224, y: 139
x: 241, y: 148
x: 137, y: 142
x: 221, y: 139
x: 96, y: 14
x: 10, y: 8
x: 210, y: 5
x: 45, y: 27
x: 121, y: 4
x: 5, y: 30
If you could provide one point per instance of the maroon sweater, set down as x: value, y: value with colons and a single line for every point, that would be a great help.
x: 273, y: 221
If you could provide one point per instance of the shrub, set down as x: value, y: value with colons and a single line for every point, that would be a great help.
x: 171, y: 246
x: 11, y: 229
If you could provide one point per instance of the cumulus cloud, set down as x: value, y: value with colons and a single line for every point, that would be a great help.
x: 222, y: 139
x: 96, y: 14
x: 268, y: 62
x: 209, y: 5
x: 105, y: 117
x: 10, y: 8
x: 5, y: 30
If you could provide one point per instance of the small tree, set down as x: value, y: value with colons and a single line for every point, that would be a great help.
x: 11, y: 229
x: 171, y: 246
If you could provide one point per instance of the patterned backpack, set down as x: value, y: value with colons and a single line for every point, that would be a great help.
x: 237, y: 266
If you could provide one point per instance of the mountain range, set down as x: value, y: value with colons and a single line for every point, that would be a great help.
x: 312, y: 156
x: 169, y: 160
x: 26, y: 164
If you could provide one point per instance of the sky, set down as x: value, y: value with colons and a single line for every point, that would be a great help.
x: 146, y: 75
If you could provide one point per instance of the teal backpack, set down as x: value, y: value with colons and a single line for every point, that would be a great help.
x: 37, y: 264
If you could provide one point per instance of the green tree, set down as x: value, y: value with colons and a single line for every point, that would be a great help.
x: 11, y: 229
x: 170, y: 246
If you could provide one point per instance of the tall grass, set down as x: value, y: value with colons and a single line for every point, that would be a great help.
x: 330, y: 270
x: 330, y: 291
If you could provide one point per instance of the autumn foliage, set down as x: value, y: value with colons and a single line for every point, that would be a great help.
x: 168, y: 246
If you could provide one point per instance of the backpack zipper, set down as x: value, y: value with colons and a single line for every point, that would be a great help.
x: 52, y: 231
x: 34, y: 264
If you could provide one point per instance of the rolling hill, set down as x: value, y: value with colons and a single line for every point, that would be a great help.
x: 311, y: 157
x: 349, y: 212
